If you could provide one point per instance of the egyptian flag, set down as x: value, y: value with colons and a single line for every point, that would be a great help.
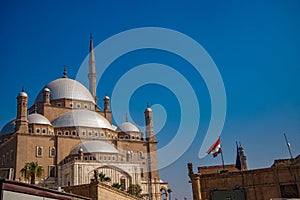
x: 215, y: 149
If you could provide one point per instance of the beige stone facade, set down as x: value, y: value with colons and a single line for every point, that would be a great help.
x: 99, y: 191
x: 281, y: 180
x: 68, y: 134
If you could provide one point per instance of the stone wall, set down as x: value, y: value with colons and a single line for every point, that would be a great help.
x: 99, y: 191
x: 268, y: 183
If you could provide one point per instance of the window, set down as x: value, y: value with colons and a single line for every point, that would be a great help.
x: 90, y: 133
x: 44, y: 131
x: 59, y: 133
x: 133, y: 137
x: 71, y: 105
x: 123, y: 183
x: 11, y: 155
x: 74, y: 133
x: 78, y: 105
x: 7, y: 156
x: 141, y: 156
x: 30, y: 130
x: 96, y: 134
x: 37, y: 130
x: 128, y: 156
x: 3, y: 159
x: 102, y: 134
x: 85, y: 158
x: 100, y: 157
x: 142, y: 172
x: 113, y: 158
x: 59, y: 104
x: 52, y: 171
x: 39, y: 151
x: 85, y: 106
x: 52, y: 151
x: 66, y: 132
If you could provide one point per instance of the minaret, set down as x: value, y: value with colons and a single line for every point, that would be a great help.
x: 46, y: 93
x: 92, y: 70
x: 243, y: 158
x: 21, y: 120
x: 107, y: 111
x: 153, y: 178
x: 149, y: 125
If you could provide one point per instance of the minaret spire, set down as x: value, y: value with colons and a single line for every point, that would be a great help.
x: 92, y: 69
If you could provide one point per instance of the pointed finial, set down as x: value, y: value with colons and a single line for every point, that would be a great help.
x: 91, y: 43
x: 22, y: 88
x: 65, y: 72
x: 126, y: 117
x: 147, y: 104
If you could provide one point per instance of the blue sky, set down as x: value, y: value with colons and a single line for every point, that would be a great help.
x: 255, y: 46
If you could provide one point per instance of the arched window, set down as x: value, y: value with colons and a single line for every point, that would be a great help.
x: 39, y: 151
x: 52, y: 152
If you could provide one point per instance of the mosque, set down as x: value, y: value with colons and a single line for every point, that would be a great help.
x: 68, y: 134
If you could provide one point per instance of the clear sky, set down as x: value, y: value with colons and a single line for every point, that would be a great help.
x: 255, y: 46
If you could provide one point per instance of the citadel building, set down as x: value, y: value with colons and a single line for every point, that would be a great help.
x: 67, y: 133
x: 280, y: 181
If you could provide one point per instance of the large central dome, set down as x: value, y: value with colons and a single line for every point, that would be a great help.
x: 82, y: 118
x: 68, y: 89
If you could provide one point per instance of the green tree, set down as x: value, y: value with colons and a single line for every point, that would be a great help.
x: 104, y: 178
x: 116, y: 185
x: 135, y: 189
x: 31, y: 171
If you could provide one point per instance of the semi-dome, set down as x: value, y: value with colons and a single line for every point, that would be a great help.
x: 8, y: 127
x: 127, y: 127
x: 36, y: 118
x: 82, y: 118
x: 66, y: 88
x: 94, y: 147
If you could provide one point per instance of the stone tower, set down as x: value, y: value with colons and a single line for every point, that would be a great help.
x: 46, y: 93
x: 243, y: 158
x: 153, y: 178
x: 107, y: 111
x: 92, y: 70
x: 195, y: 180
x: 21, y: 120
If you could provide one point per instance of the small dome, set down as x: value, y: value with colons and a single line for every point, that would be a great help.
x: 128, y: 127
x: 23, y: 94
x: 46, y: 89
x: 106, y: 97
x: 148, y: 109
x: 36, y: 118
x: 8, y: 127
x: 67, y: 88
x: 82, y: 118
x: 94, y: 147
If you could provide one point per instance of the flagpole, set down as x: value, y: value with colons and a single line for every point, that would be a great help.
x: 222, y: 156
x: 222, y: 159
x: 288, y: 145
